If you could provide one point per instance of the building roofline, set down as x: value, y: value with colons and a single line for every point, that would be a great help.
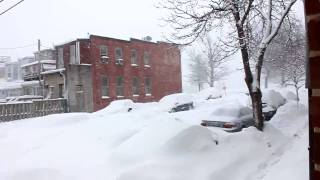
x: 104, y: 37
x: 116, y: 39
x: 71, y: 41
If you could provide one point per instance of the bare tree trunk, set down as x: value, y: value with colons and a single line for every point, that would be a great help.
x: 297, y: 93
x: 255, y: 94
x: 257, y: 109
x: 266, y: 79
x: 282, y: 78
x: 211, y: 82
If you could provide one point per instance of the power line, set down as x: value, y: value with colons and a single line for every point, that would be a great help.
x: 46, y: 46
x: 10, y: 7
x: 19, y: 47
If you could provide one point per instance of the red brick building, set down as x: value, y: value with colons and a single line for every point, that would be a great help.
x: 99, y: 70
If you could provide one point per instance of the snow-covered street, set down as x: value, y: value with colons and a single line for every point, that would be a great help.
x: 148, y: 143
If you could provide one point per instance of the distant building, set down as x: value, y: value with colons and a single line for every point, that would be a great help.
x: 18, y: 89
x: 2, y: 71
x: 12, y: 71
x: 23, y: 61
x: 3, y: 61
x: 93, y: 72
x: 26, y: 60
x: 44, y: 60
x: 27, y: 69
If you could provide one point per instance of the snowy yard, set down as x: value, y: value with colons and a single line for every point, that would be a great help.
x: 149, y: 143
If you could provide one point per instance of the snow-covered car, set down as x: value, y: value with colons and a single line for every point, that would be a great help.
x: 231, y: 117
x: 271, y: 101
x: 182, y: 107
x: 234, y: 125
x: 268, y: 111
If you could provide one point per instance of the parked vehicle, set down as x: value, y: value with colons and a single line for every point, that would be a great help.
x: 268, y: 111
x: 182, y: 107
x: 234, y: 125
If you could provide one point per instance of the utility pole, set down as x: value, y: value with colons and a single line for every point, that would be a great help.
x: 39, y: 69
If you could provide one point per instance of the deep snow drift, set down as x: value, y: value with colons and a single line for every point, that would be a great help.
x: 148, y: 143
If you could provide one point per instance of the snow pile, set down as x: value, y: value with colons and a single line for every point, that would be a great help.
x: 192, y: 139
x: 172, y: 100
x: 273, y: 98
x: 209, y: 93
x: 290, y: 96
x: 149, y: 143
x: 119, y: 106
x: 232, y: 110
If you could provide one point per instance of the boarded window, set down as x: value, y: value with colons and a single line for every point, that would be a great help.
x: 72, y: 54
x: 61, y: 90
x: 135, y: 86
x: 147, y: 85
x: 120, y: 88
x: 79, y: 88
x: 104, y: 54
x: 60, y: 58
x: 51, y: 89
x: 134, y: 57
x: 105, y: 86
x: 146, y: 58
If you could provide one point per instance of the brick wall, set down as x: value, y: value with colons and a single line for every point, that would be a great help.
x: 312, y: 8
x: 164, y: 70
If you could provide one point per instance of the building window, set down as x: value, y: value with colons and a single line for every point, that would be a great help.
x: 60, y: 58
x: 79, y: 88
x: 105, y: 87
x: 134, y: 58
x: 34, y: 69
x: 61, y: 90
x: 146, y: 59
x: 51, y: 89
x: 104, y: 54
x: 135, y: 86
x: 118, y: 54
x: 147, y: 86
x: 72, y: 54
x: 120, y: 86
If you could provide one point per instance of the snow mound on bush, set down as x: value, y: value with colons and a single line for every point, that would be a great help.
x: 212, y: 93
x: 172, y: 100
x: 118, y: 106
x: 290, y: 117
x: 192, y: 139
x: 273, y: 98
x: 290, y: 96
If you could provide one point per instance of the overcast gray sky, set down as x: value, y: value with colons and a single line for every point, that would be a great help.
x: 56, y: 21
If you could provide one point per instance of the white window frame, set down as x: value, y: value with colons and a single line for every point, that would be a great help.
x: 104, y: 58
x: 134, y: 59
x: 119, y: 59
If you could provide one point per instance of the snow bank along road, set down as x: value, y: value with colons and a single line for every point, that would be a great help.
x: 149, y: 143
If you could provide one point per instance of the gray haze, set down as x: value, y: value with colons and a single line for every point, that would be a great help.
x: 56, y: 21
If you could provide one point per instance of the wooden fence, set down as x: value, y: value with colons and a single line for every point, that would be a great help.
x: 36, y: 108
